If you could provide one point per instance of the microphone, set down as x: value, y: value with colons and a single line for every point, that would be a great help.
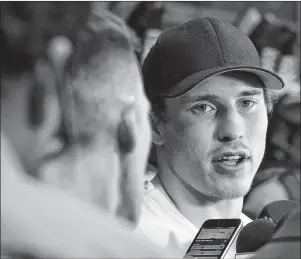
x: 285, y: 243
x: 278, y: 209
x: 257, y: 233
x: 253, y: 236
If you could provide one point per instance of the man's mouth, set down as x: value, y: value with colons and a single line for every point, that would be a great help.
x: 231, y: 158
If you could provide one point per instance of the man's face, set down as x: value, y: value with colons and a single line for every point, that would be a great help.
x: 214, y: 136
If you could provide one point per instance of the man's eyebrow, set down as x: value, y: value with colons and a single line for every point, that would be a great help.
x: 210, y: 97
x: 250, y: 93
x: 198, y: 98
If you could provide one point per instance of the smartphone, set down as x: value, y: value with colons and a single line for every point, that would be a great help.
x: 214, y: 239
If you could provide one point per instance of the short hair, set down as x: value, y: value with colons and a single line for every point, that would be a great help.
x: 97, y: 75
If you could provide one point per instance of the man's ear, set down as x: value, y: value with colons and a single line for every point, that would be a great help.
x: 156, y: 133
x: 43, y: 104
x: 36, y: 100
x: 126, y: 140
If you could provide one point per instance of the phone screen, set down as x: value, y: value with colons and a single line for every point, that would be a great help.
x: 211, y: 242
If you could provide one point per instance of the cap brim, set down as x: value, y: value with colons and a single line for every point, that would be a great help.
x: 269, y: 79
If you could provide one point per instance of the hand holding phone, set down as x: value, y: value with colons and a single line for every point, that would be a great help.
x: 214, y: 239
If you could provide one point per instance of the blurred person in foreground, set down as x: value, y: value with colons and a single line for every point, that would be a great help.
x: 108, y: 121
x: 38, y: 219
x: 210, y: 101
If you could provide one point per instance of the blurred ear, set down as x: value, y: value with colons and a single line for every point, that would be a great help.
x: 44, y: 108
x: 43, y: 104
x: 156, y: 133
x: 126, y: 139
x: 36, y: 107
x: 126, y: 131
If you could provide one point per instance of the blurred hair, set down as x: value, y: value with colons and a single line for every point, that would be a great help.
x: 97, y: 76
x: 102, y: 33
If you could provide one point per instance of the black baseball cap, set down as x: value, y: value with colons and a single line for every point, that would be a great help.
x: 185, y: 55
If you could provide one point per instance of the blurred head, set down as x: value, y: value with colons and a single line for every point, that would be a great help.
x: 36, y: 41
x: 106, y: 119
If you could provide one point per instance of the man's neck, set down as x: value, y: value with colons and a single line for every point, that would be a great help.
x: 196, y: 207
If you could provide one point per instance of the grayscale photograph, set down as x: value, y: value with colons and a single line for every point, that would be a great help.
x: 150, y: 129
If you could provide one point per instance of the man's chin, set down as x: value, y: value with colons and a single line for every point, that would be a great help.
x: 233, y: 192
x: 232, y: 195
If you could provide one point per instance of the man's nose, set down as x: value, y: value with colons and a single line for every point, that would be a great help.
x: 230, y: 127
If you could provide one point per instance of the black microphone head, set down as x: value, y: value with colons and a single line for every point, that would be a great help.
x: 254, y: 235
x: 278, y: 209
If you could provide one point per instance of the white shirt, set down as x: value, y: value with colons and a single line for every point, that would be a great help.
x: 163, y: 223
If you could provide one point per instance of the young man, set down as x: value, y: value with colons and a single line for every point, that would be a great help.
x: 210, y: 99
x: 37, y: 219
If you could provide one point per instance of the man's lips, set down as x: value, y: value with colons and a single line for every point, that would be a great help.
x: 230, y: 162
x: 231, y: 155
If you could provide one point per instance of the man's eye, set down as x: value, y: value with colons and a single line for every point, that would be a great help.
x: 247, y: 103
x: 203, y: 108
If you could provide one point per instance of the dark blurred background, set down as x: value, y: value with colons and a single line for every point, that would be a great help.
x: 177, y: 12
